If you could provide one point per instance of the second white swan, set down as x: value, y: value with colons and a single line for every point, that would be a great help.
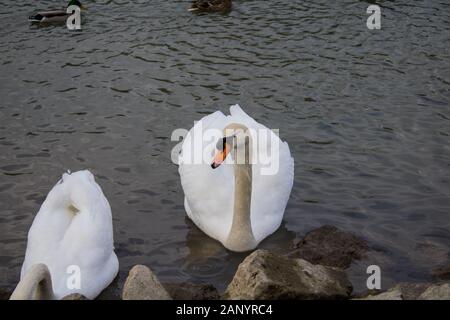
x: 70, y: 243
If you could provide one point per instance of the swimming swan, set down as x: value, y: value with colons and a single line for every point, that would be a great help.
x: 71, y: 239
x: 242, y: 202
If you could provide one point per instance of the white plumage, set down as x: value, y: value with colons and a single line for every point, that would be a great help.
x: 74, y: 228
x: 209, y: 194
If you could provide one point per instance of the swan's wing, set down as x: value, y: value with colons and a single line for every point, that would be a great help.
x: 209, y: 193
x: 270, y: 194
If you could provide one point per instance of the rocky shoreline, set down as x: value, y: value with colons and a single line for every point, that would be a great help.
x: 313, y: 269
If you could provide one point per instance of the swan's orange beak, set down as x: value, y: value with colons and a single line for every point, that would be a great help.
x: 221, y: 156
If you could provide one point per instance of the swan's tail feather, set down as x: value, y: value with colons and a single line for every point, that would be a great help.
x: 35, y: 285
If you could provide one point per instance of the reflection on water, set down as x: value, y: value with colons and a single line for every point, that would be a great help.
x: 366, y: 114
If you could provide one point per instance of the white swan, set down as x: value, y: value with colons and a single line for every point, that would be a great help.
x: 242, y: 203
x: 71, y: 232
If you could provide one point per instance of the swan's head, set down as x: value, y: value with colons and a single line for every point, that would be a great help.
x: 236, y: 140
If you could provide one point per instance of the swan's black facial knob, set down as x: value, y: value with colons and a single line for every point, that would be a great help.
x: 223, y: 147
x: 220, y: 145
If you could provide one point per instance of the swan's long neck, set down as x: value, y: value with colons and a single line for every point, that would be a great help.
x: 241, y: 236
x: 35, y: 285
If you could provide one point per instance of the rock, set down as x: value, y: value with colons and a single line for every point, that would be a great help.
x: 5, y: 294
x: 330, y: 246
x: 411, y: 291
x: 441, y: 273
x: 436, y: 292
x: 402, y: 291
x: 142, y: 284
x: 264, y: 275
x: 75, y: 296
x: 189, y: 291
x: 392, y: 294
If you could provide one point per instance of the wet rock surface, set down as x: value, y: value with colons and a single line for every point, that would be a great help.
x: 411, y: 291
x: 264, y: 275
x: 189, y: 291
x: 441, y: 273
x: 392, y: 294
x: 75, y: 296
x: 330, y: 246
x: 403, y: 291
x: 436, y: 292
x: 142, y: 284
x: 5, y: 294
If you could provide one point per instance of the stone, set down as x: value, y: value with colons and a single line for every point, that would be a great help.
x: 441, y: 273
x: 190, y: 291
x: 403, y: 290
x: 392, y: 294
x: 264, y: 275
x: 436, y: 292
x: 330, y: 246
x: 75, y: 296
x: 5, y: 294
x: 142, y: 284
x: 411, y: 291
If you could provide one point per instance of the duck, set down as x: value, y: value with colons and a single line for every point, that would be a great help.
x: 211, y: 5
x: 227, y: 194
x: 54, y: 15
x: 71, y: 236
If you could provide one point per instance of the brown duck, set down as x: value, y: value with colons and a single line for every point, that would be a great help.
x: 211, y: 5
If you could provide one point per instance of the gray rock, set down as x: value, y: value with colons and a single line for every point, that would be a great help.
x: 411, y: 291
x: 392, y: 294
x: 189, y: 291
x: 75, y: 296
x: 264, y: 275
x: 330, y: 246
x: 402, y: 291
x: 142, y: 284
x: 441, y: 273
x: 436, y: 292
x: 5, y: 294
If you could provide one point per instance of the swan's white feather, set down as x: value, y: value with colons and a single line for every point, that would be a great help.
x: 60, y: 237
x: 209, y: 194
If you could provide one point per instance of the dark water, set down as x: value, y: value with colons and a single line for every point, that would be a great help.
x: 366, y: 114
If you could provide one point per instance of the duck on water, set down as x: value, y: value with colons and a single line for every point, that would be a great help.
x: 54, y: 15
x: 211, y: 5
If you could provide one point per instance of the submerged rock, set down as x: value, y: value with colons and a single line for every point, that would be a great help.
x: 264, y: 275
x: 436, y: 292
x: 75, y: 296
x: 330, y: 246
x: 408, y: 291
x: 5, y: 294
x: 142, y: 284
x: 392, y: 294
x: 411, y: 291
x: 189, y: 291
x: 441, y: 273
